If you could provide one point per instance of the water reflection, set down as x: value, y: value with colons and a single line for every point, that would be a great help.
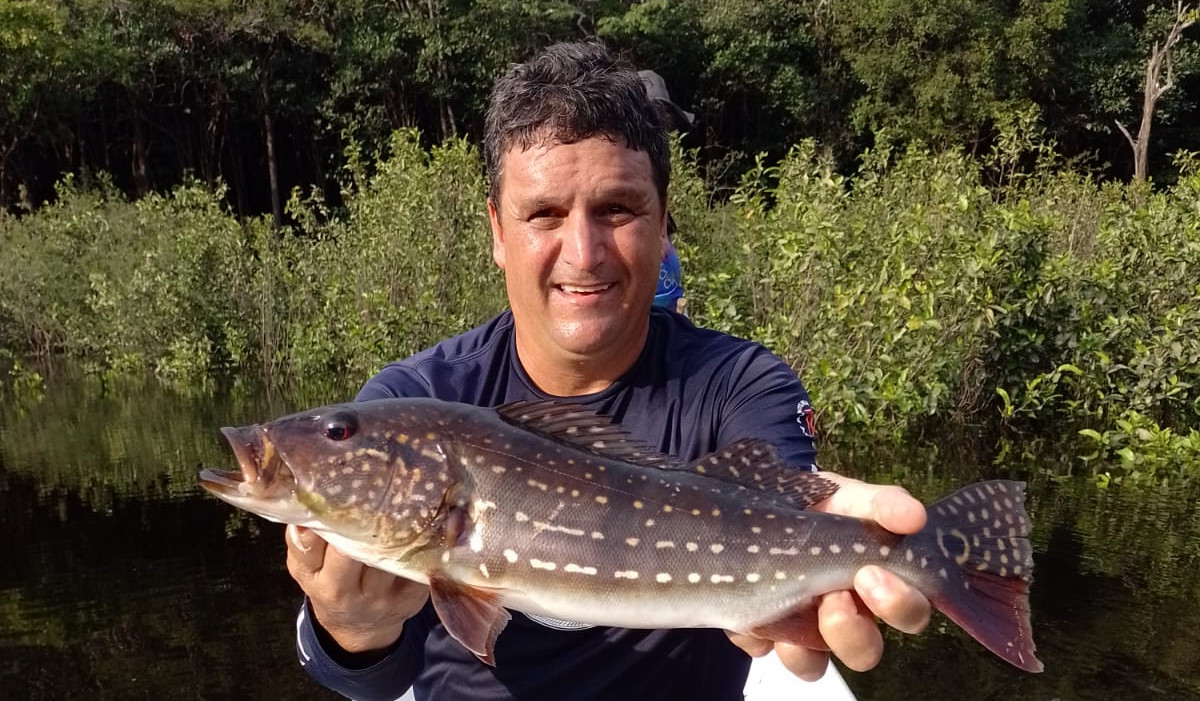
x: 123, y: 581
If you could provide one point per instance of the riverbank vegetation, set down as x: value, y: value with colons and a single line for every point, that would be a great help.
x: 928, y: 288
x: 923, y: 207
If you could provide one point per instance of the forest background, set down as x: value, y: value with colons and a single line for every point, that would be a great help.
x: 927, y: 208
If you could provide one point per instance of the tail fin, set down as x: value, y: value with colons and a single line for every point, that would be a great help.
x: 984, y: 528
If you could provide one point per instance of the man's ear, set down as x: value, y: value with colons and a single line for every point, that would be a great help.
x: 497, y: 234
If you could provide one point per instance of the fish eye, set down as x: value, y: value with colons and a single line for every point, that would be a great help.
x: 340, y: 425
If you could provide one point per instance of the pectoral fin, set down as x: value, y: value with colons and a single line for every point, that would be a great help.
x: 472, y: 616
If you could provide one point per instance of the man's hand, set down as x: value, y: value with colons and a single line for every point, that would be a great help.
x: 363, y: 609
x: 846, y: 619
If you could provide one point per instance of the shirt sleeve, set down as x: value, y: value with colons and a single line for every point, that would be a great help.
x: 385, y: 679
x: 766, y: 400
x: 395, y: 380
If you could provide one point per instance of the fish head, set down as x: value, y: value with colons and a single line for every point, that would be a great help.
x: 347, y: 469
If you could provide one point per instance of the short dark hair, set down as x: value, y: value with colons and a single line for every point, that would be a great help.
x: 568, y: 93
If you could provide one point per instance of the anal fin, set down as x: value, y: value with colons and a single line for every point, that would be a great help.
x: 472, y: 616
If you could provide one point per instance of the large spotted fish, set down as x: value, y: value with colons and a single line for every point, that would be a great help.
x: 552, y: 510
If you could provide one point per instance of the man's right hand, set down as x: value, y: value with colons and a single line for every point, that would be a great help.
x: 363, y: 609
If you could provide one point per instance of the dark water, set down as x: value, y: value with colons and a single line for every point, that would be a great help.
x: 123, y: 581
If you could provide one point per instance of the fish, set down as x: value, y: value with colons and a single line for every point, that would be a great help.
x: 555, y: 511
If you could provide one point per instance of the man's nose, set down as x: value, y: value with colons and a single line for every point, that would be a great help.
x: 584, y: 242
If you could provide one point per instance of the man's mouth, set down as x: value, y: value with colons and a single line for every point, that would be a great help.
x: 585, y: 289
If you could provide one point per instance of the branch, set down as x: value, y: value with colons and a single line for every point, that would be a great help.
x: 1128, y: 136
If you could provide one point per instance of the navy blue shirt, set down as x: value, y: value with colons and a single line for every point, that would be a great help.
x: 690, y: 392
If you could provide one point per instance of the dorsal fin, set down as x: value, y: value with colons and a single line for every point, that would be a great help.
x: 755, y: 464
x: 750, y: 463
x: 583, y: 428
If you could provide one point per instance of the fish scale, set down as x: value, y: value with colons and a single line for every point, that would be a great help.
x: 552, y: 510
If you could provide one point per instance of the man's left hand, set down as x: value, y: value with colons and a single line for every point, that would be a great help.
x: 846, y: 619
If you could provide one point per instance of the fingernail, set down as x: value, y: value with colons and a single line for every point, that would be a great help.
x: 293, y: 532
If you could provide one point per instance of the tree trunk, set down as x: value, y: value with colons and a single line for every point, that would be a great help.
x: 272, y: 165
x: 137, y: 162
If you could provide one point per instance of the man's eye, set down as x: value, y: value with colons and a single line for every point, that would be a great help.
x: 543, y: 216
x: 618, y: 214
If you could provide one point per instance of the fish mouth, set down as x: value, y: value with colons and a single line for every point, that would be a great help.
x: 261, y: 468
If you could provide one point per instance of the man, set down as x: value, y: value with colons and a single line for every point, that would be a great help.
x: 579, y: 169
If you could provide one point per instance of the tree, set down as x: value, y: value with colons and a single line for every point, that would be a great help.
x: 1157, y: 85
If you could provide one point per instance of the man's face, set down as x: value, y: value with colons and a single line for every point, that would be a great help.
x: 579, y: 230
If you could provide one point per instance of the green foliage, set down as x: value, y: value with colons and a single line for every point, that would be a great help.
x: 178, y: 285
x: 409, y: 264
x: 912, y: 293
x: 1142, y: 450
x: 944, y: 71
x: 929, y: 288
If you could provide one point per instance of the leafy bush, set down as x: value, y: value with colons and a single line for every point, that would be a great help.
x: 929, y: 287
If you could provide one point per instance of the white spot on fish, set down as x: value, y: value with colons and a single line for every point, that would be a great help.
x: 601, y: 499
x: 814, y: 550
x: 632, y: 542
x: 522, y: 517
x: 510, y: 555
x: 835, y: 549
x: 662, y: 577
x: 718, y: 579
x: 692, y: 547
x: 637, y: 504
x: 539, y: 526
x: 781, y: 575
x: 752, y: 549
x: 716, y: 548
x: 579, y: 570
x: 753, y: 577
x: 789, y: 551
x: 543, y: 565
x: 694, y: 577
x: 884, y: 551
x: 664, y: 544
x: 859, y: 548
x: 628, y: 574
x: 484, y: 570
x: 597, y: 535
